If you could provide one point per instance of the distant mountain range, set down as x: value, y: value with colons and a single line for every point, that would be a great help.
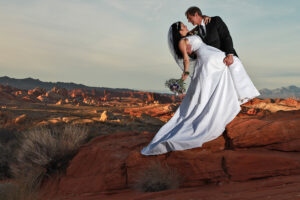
x: 30, y: 83
x: 283, y: 92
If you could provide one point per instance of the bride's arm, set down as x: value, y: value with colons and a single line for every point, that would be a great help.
x: 183, y: 48
x: 206, y: 19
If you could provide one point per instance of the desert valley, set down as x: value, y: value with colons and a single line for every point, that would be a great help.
x: 258, y: 158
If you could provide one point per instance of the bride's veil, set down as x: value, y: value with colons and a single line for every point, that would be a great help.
x: 178, y: 60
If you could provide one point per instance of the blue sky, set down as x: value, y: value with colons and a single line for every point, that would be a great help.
x: 123, y: 44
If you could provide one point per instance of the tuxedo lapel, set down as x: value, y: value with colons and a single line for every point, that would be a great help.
x: 218, y: 36
x: 198, y: 33
x: 207, y: 32
x: 201, y: 36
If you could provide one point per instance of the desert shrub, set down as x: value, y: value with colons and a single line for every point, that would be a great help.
x: 43, y: 151
x: 4, y: 160
x: 157, y: 177
x: 9, y: 191
x: 22, y: 188
x: 7, y: 146
x: 7, y: 135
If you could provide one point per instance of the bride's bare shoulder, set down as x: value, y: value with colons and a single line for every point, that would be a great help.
x: 184, y: 41
x: 183, y: 46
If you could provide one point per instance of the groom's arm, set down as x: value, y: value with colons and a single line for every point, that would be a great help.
x: 224, y: 35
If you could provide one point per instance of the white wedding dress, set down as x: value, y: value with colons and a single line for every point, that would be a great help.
x: 212, y: 100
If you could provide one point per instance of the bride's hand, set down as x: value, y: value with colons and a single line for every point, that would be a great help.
x: 184, y: 76
x: 206, y: 19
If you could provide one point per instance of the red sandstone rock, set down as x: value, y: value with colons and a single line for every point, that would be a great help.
x: 37, y: 91
x: 52, y: 96
x: 20, y: 119
x: 279, y: 127
x: 259, y: 148
x: 251, y: 111
x: 251, y: 164
x: 29, y: 99
x: 60, y: 102
x: 269, y: 100
x: 78, y: 93
x: 277, y: 100
x: 43, y: 98
x: 253, y: 101
x: 163, y: 113
x: 19, y: 93
x: 61, y: 91
x: 289, y: 102
x: 67, y: 101
x: 5, y: 96
x: 7, y: 89
x: 275, y: 188
x: 56, y: 94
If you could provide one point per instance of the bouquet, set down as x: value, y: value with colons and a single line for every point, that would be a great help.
x: 176, y: 85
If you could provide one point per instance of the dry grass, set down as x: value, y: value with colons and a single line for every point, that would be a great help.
x: 40, y: 152
x: 7, y: 146
x: 157, y: 177
x: 4, y: 160
x: 46, y: 150
x: 21, y: 189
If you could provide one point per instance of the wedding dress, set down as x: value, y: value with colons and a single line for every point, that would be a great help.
x: 212, y: 100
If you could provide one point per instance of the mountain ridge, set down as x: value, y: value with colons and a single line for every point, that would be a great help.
x: 31, y: 83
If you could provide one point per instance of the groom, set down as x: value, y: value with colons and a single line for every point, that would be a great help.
x: 215, y: 33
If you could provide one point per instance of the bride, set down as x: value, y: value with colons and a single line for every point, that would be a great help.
x: 212, y: 100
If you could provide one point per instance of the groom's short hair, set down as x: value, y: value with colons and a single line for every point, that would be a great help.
x: 192, y: 10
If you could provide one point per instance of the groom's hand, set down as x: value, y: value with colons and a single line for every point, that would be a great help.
x: 228, y: 60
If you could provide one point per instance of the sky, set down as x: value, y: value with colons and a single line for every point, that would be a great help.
x: 123, y: 44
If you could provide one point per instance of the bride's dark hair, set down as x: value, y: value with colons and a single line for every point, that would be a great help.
x: 176, y: 27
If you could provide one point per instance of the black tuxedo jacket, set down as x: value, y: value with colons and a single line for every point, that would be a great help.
x: 218, y: 36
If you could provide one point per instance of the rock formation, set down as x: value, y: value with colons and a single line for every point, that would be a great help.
x: 255, y: 147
